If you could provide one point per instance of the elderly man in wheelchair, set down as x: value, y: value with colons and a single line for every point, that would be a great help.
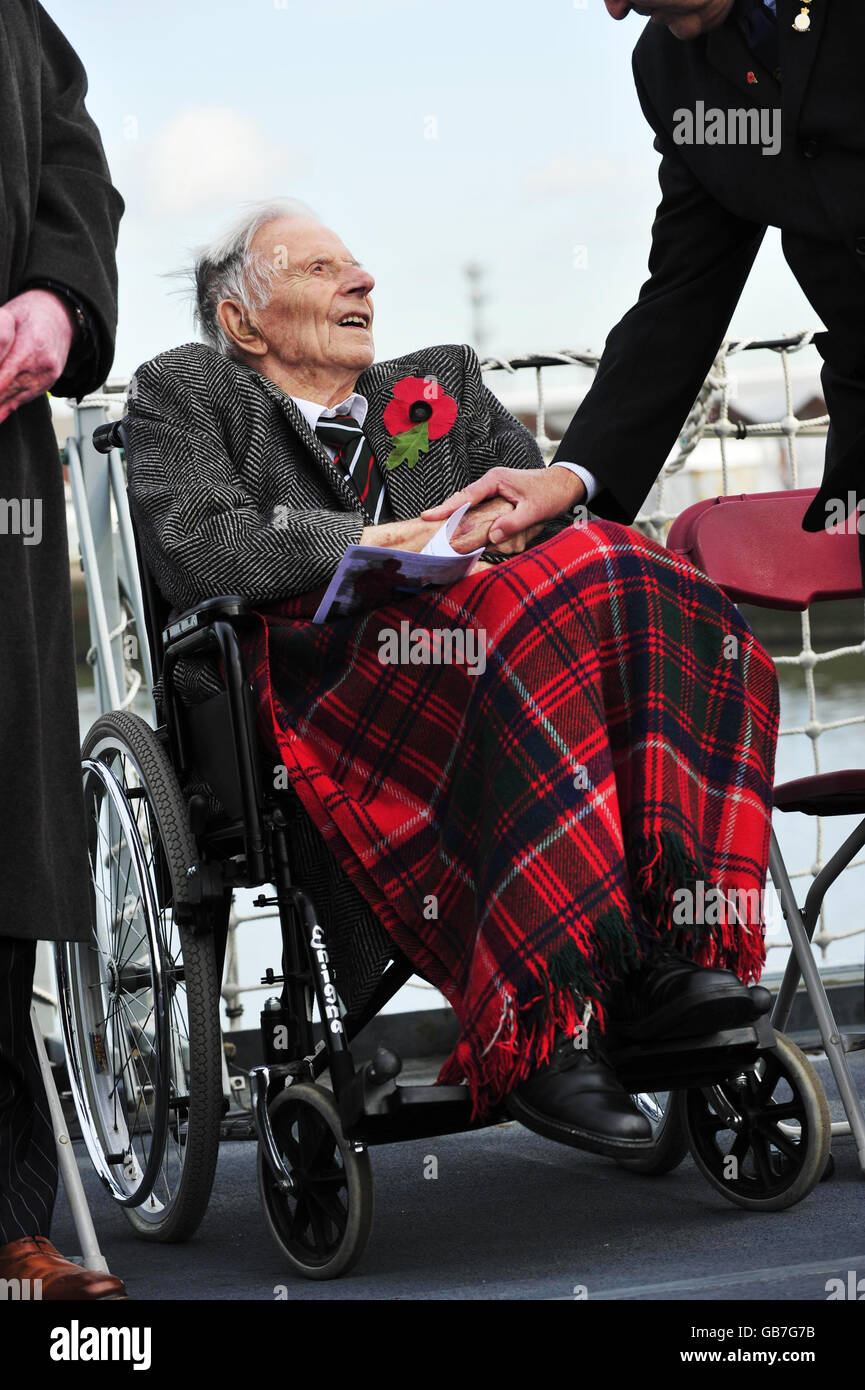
x: 536, y: 837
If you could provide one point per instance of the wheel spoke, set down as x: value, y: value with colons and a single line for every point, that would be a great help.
x: 786, y: 1110
x: 790, y: 1147
x: 300, y: 1221
x: 330, y: 1204
x: 316, y: 1142
x: 763, y: 1159
x: 319, y: 1233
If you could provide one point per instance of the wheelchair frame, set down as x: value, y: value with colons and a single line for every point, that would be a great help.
x: 373, y: 1108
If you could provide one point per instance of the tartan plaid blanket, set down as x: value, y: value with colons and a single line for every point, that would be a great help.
x: 534, y: 775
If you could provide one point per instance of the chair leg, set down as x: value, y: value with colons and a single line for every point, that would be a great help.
x: 810, y: 915
x: 802, y: 962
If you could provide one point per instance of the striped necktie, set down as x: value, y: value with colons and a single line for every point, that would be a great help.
x: 355, y: 457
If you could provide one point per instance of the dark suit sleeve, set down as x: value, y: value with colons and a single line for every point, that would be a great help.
x: 656, y: 358
x: 78, y: 210
x: 202, y: 532
x: 494, y: 437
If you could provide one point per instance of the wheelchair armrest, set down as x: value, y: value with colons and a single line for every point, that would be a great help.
x: 229, y: 607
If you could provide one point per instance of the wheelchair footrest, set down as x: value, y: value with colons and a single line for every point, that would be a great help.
x: 375, y: 1110
x: 418, y: 1112
x: 682, y: 1062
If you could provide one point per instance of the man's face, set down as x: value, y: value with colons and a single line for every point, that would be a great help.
x: 684, y: 18
x: 319, y: 289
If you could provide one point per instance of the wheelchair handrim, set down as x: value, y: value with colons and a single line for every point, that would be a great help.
x: 102, y: 1020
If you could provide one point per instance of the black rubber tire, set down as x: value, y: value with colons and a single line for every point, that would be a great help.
x: 669, y: 1145
x: 182, y: 1216
x: 343, y: 1254
x: 806, y: 1160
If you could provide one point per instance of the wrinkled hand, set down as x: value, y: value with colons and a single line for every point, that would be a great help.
x: 35, y: 336
x: 535, y: 496
x: 474, y: 529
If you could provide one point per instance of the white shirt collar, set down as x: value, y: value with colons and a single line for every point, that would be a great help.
x: 313, y: 411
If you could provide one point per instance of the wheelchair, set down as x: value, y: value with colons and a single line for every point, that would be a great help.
x: 140, y: 1001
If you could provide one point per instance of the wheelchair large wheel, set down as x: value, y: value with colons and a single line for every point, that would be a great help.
x: 139, y: 1001
x: 322, y: 1224
x: 664, y: 1110
x: 762, y: 1137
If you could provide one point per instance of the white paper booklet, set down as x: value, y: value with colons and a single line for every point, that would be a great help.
x: 369, y: 576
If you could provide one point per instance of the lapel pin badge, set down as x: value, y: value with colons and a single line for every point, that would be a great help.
x: 802, y: 22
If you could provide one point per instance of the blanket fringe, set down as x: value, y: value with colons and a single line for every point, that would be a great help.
x: 502, y: 1049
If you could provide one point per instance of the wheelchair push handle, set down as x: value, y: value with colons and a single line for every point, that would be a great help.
x: 107, y: 437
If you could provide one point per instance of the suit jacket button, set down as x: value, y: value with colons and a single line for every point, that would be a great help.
x: 860, y: 246
x: 811, y: 148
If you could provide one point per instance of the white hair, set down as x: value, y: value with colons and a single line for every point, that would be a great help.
x: 228, y: 269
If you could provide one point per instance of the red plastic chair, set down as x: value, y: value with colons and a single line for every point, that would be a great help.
x: 754, y: 548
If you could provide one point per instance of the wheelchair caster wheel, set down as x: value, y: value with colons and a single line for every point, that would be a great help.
x: 762, y: 1137
x: 322, y: 1224
x: 669, y: 1138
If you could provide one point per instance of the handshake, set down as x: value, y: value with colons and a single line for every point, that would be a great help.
x: 507, y: 510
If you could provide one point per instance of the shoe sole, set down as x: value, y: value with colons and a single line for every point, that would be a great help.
x: 572, y: 1135
x: 711, y: 1015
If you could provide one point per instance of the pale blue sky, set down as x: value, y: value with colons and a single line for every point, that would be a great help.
x: 540, y: 147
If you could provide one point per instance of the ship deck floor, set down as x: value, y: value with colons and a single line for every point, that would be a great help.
x: 511, y: 1216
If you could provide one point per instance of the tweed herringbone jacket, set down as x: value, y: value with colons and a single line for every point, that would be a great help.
x: 232, y: 492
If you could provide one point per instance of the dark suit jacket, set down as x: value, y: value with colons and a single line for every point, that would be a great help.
x: 58, y: 221
x: 232, y: 492
x: 717, y: 201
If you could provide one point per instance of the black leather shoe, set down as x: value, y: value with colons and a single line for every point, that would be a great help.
x: 576, y: 1099
x: 671, y: 997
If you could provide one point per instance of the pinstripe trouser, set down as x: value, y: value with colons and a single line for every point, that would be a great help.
x: 28, y: 1164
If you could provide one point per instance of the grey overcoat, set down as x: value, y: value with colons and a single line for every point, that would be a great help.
x: 58, y: 221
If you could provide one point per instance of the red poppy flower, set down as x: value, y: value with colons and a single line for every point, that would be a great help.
x: 416, y: 399
x: 752, y: 77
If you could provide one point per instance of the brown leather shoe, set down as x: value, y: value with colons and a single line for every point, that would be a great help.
x: 34, y: 1258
